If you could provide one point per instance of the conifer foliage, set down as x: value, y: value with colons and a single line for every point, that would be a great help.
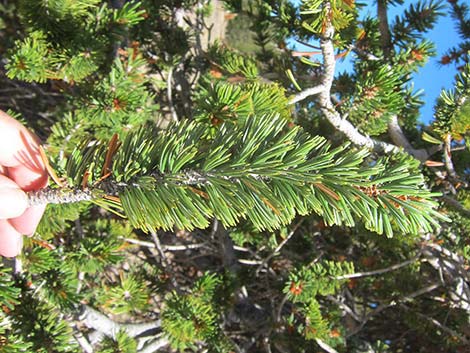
x: 209, y: 195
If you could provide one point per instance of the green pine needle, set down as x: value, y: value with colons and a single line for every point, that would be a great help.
x: 261, y: 170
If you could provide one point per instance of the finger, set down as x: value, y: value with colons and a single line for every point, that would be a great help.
x: 13, y: 200
x: 11, y: 241
x: 17, y: 145
x: 28, y: 178
x: 29, y: 220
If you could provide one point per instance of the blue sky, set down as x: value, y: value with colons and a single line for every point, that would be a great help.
x: 432, y: 77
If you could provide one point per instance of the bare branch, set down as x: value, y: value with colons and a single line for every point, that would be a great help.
x: 279, y: 247
x: 98, y: 321
x: 169, y: 86
x: 452, y: 268
x: 345, y: 307
x: 393, y: 303
x: 363, y: 53
x: 306, y: 93
x: 57, y: 196
x: 249, y: 262
x: 448, y: 157
x: 148, y: 244
x: 325, y: 346
x: 455, y: 204
x: 385, y: 37
x: 83, y: 342
x: 155, y: 345
x: 382, y: 270
x: 280, y: 307
x: 326, y: 106
x: 399, y: 139
x: 444, y: 328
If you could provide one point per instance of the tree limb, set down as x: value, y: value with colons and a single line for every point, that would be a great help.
x: 326, y: 106
x: 325, y: 346
x: 279, y: 247
x: 393, y: 303
x: 96, y: 320
x: 399, y: 139
x: 385, y: 37
x: 154, y: 346
x: 169, y: 83
x: 455, y: 204
x: 380, y: 271
x: 306, y: 93
x: 444, y: 328
x: 448, y: 157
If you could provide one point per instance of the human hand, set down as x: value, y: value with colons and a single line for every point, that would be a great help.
x: 21, y: 170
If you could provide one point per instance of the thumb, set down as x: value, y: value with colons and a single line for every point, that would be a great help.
x: 13, y: 200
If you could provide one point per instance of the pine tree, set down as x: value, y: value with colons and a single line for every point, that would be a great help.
x: 208, y: 194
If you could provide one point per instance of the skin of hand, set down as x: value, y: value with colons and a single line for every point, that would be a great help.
x: 21, y: 170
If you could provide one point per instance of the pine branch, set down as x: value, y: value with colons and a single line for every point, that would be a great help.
x: 382, y: 270
x: 326, y: 347
x: 343, y: 125
x: 327, y: 107
x: 58, y: 196
x: 307, y: 93
x: 155, y: 345
x: 261, y: 170
x: 391, y: 304
x: 448, y: 157
x: 324, y: 90
x: 441, y: 326
x: 455, y: 204
x: 96, y: 320
x: 399, y: 139
x: 385, y: 36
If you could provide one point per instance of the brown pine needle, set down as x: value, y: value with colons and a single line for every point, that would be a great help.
x: 48, y: 167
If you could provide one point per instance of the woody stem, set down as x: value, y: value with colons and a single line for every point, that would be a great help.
x: 58, y: 196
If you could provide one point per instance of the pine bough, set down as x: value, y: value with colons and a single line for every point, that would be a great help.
x: 263, y: 170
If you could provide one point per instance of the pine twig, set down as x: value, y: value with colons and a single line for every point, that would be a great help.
x: 155, y: 345
x: 147, y: 244
x: 306, y: 93
x: 385, y: 36
x: 169, y: 83
x: 444, y: 328
x: 399, y: 139
x: 448, y: 157
x: 392, y: 303
x: 279, y: 247
x: 455, y: 204
x: 58, y: 196
x: 98, y: 321
x: 325, y: 347
x: 380, y: 271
